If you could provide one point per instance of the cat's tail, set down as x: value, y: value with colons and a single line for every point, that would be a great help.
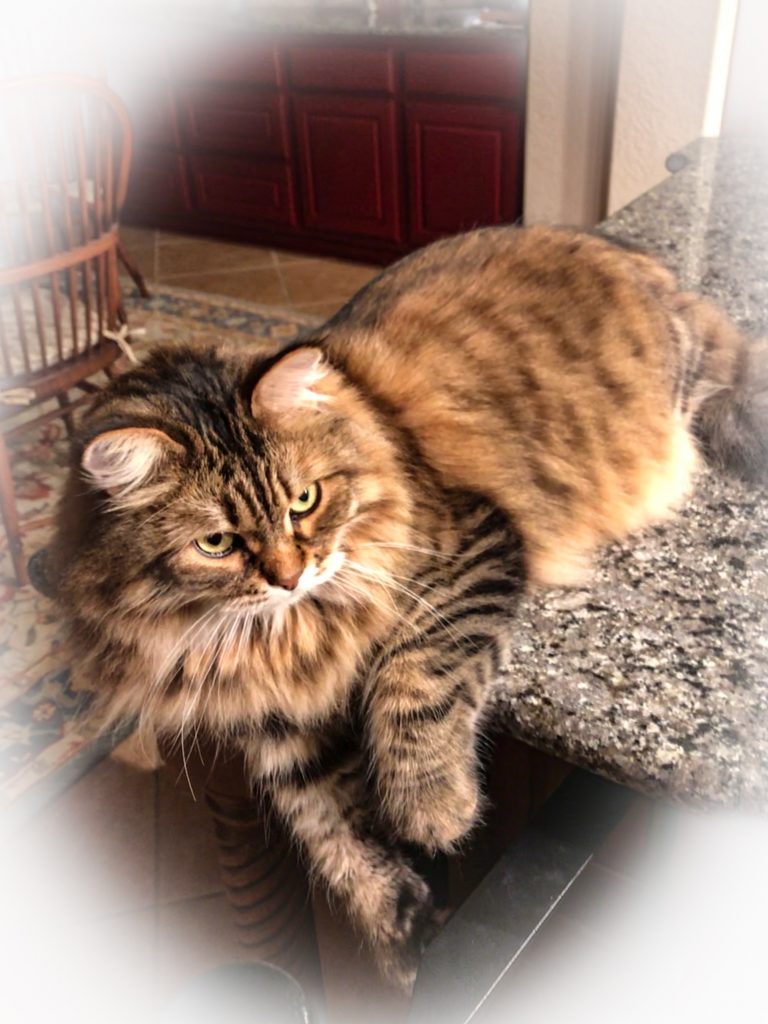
x: 729, y: 401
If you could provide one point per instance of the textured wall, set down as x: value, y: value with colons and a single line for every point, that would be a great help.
x: 663, y: 86
x: 572, y: 58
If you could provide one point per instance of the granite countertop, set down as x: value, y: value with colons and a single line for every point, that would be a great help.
x: 656, y: 674
x: 410, y: 20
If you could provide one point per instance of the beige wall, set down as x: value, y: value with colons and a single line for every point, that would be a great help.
x: 663, y: 89
x: 572, y: 58
x: 746, y: 108
x: 614, y: 87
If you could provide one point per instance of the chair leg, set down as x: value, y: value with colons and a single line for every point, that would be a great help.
x: 10, y: 515
x: 265, y: 885
x: 69, y: 420
x: 133, y: 270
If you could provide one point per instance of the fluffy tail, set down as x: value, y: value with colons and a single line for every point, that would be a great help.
x: 732, y: 421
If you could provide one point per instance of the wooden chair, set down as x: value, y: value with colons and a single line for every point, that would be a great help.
x: 65, y: 152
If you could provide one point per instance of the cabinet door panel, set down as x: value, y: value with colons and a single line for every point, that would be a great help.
x: 348, y: 150
x: 256, y: 190
x: 234, y: 120
x: 464, y: 167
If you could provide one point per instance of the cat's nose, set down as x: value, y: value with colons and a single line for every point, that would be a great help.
x: 287, y: 581
x: 283, y: 568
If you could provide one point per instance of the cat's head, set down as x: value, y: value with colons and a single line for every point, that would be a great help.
x: 200, y: 481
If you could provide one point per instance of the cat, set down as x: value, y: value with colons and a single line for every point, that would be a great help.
x: 314, y: 555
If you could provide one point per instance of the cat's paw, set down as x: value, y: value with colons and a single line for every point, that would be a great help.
x: 438, y: 820
x: 405, y: 927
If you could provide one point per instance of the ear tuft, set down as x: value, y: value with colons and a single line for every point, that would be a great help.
x: 121, y: 461
x: 288, y: 385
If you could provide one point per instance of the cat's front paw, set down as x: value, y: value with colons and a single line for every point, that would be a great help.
x: 403, y: 929
x: 438, y: 819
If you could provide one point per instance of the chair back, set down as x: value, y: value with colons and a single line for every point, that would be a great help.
x: 65, y: 152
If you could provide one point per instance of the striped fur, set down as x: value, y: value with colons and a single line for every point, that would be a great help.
x: 485, y: 412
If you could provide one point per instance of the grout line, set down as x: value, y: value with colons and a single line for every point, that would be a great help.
x: 281, y: 279
x: 220, y: 270
x: 529, y: 938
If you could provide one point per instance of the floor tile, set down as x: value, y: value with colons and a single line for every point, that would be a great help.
x: 192, y: 937
x: 258, y: 285
x: 143, y: 257
x: 316, y: 280
x: 187, y: 858
x: 202, y: 255
x: 91, y: 853
x: 625, y: 847
x: 289, y: 256
x: 96, y: 972
x: 596, y: 897
x: 136, y: 237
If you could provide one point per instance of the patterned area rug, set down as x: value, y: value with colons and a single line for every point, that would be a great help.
x: 43, y: 743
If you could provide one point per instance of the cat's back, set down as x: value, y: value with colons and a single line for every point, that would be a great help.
x: 514, y: 273
x: 535, y: 365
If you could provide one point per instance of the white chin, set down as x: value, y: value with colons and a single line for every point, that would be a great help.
x: 278, y: 597
x: 312, y: 577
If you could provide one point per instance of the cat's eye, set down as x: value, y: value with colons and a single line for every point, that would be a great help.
x: 215, y: 545
x: 306, y: 502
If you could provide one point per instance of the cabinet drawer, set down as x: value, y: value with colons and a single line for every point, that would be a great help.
x: 469, y: 74
x: 345, y: 68
x: 158, y: 183
x: 259, y: 190
x: 234, y: 120
x: 226, y: 59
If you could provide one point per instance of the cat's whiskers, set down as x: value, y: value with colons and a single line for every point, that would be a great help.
x: 182, y: 645
x: 430, y: 552
x: 345, y: 584
x: 395, y: 584
x: 192, y: 694
x: 228, y: 629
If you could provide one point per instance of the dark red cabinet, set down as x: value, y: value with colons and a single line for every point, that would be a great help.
x: 234, y: 120
x: 463, y: 167
x: 350, y: 68
x: 159, y: 186
x: 349, y: 160
x: 249, y: 190
x: 362, y: 147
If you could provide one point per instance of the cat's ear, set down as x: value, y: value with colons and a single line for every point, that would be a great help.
x: 123, y: 461
x: 289, y: 384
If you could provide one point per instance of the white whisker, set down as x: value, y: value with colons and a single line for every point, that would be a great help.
x: 407, y: 547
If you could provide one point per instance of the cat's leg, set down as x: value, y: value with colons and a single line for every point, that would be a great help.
x: 426, y: 691
x: 317, y: 785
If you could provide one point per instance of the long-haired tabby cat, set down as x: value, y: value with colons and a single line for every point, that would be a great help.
x: 314, y: 555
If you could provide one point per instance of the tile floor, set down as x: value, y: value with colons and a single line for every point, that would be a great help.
x: 119, y: 880
x: 269, y: 276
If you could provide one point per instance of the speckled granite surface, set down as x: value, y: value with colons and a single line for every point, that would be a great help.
x: 409, y: 20
x: 656, y: 675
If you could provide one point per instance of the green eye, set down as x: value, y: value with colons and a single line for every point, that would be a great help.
x: 306, y: 502
x: 215, y: 545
